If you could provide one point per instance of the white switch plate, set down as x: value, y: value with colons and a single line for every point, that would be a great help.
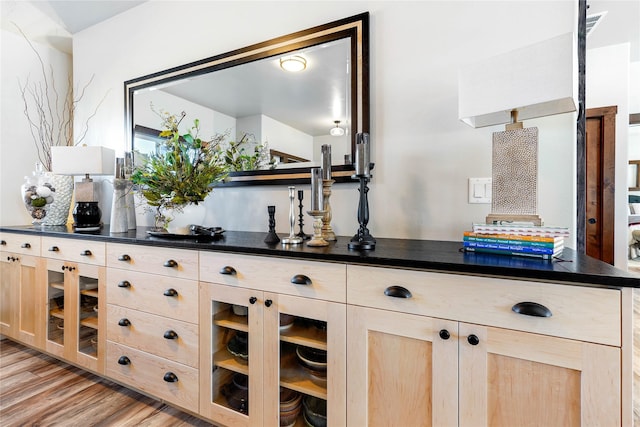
x: 479, y: 190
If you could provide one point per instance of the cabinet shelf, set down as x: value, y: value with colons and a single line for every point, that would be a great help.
x: 57, y: 285
x: 57, y: 312
x: 295, y: 377
x: 306, y: 336
x: 89, y: 292
x: 227, y: 319
x: 90, y: 322
x: 224, y: 359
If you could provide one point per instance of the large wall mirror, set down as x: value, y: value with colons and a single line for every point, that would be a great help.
x: 248, y: 95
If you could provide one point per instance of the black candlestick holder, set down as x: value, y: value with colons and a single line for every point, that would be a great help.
x: 301, y: 233
x: 363, y: 240
x: 272, y: 237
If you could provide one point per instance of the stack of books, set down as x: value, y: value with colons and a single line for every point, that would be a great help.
x: 516, y: 239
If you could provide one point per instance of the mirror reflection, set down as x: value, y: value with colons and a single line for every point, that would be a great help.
x: 275, y: 120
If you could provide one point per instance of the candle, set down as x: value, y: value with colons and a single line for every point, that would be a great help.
x: 362, y: 154
x: 326, y: 161
x: 316, y: 189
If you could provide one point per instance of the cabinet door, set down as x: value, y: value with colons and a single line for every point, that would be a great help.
x: 28, y: 304
x: 402, y: 369
x: 516, y: 378
x: 231, y: 355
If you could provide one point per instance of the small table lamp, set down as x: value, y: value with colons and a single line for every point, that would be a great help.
x: 535, y: 81
x: 84, y: 160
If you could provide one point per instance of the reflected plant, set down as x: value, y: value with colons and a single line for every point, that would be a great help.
x: 246, y: 155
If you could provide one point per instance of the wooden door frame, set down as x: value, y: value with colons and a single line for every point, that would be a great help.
x: 607, y: 117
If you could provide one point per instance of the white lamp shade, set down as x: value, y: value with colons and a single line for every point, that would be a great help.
x: 538, y: 80
x: 82, y: 160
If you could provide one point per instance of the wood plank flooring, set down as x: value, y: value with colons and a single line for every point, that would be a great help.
x: 38, y: 390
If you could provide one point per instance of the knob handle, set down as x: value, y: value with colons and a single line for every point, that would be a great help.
x: 397, y: 292
x: 171, y: 335
x: 124, y: 257
x: 301, y: 279
x: 170, y: 263
x: 592, y: 220
x: 124, y: 360
x: 54, y: 249
x: 86, y: 252
x: 170, y: 377
x: 473, y: 339
x: 228, y: 270
x: 3, y: 243
x: 124, y: 284
x: 528, y: 308
x: 253, y: 300
x: 170, y: 293
x: 124, y: 322
x: 68, y: 268
x: 26, y: 246
x: 444, y: 334
x: 268, y: 303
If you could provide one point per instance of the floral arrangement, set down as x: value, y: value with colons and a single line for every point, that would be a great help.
x: 184, y: 170
x: 238, y: 159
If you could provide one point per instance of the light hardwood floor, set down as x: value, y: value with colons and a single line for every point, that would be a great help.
x: 38, y: 390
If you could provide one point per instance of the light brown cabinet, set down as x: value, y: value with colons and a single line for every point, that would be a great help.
x: 20, y: 299
x: 75, y: 301
x: 152, y: 315
x: 275, y: 327
x: 434, y: 371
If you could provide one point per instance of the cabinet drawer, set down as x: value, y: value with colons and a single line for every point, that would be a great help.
x: 582, y: 313
x: 146, y: 292
x: 82, y: 251
x: 168, y: 338
x: 20, y: 244
x: 170, y: 262
x: 325, y: 280
x: 147, y: 372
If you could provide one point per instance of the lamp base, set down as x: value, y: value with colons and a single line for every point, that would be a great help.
x: 497, y: 218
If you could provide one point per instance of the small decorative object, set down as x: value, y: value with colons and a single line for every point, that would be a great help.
x: 362, y: 239
x: 131, y: 206
x: 316, y: 210
x: 327, y: 182
x: 182, y: 173
x: 119, y: 210
x: 301, y: 233
x: 38, y: 194
x: 292, y: 239
x: 272, y: 237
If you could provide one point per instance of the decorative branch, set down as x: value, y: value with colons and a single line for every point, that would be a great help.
x: 50, y: 122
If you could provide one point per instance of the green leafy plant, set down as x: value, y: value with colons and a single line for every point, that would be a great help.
x: 183, y: 171
x: 238, y: 155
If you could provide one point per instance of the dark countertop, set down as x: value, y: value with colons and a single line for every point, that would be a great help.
x: 443, y: 256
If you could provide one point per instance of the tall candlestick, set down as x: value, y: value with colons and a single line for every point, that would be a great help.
x: 317, y: 200
x: 326, y: 161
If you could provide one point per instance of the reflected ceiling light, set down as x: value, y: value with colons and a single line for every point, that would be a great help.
x: 293, y: 63
x: 336, y: 131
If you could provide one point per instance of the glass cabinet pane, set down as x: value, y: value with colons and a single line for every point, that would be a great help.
x: 88, y: 318
x: 55, y: 298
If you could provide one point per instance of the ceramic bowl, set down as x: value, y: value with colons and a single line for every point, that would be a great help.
x: 312, y: 358
x: 240, y: 310
x: 286, y: 320
x: 315, y: 411
x: 239, y: 347
x: 290, y: 406
x: 237, y: 397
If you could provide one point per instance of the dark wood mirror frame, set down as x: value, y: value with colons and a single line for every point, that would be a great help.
x: 355, y: 27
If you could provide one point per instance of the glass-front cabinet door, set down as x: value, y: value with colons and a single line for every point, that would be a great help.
x: 271, y: 359
x: 74, y: 302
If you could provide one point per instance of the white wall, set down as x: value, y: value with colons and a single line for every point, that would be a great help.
x: 607, y: 84
x: 423, y: 153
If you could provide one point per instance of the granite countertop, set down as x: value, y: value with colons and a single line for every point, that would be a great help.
x: 444, y: 256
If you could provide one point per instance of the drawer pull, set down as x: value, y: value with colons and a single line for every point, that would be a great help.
x: 86, y: 252
x: 444, y: 334
x: 124, y: 284
x: 171, y: 335
x: 528, y: 308
x: 253, y: 300
x: 170, y: 377
x: 397, y: 292
x: 170, y: 293
x: 300, y: 279
x: 26, y: 246
x: 54, y: 249
x: 268, y: 303
x: 228, y: 270
x: 473, y: 339
x: 3, y: 243
x: 124, y: 257
x: 124, y: 322
x: 170, y: 263
x: 124, y: 360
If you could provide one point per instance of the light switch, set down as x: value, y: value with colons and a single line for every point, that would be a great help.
x: 479, y: 190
